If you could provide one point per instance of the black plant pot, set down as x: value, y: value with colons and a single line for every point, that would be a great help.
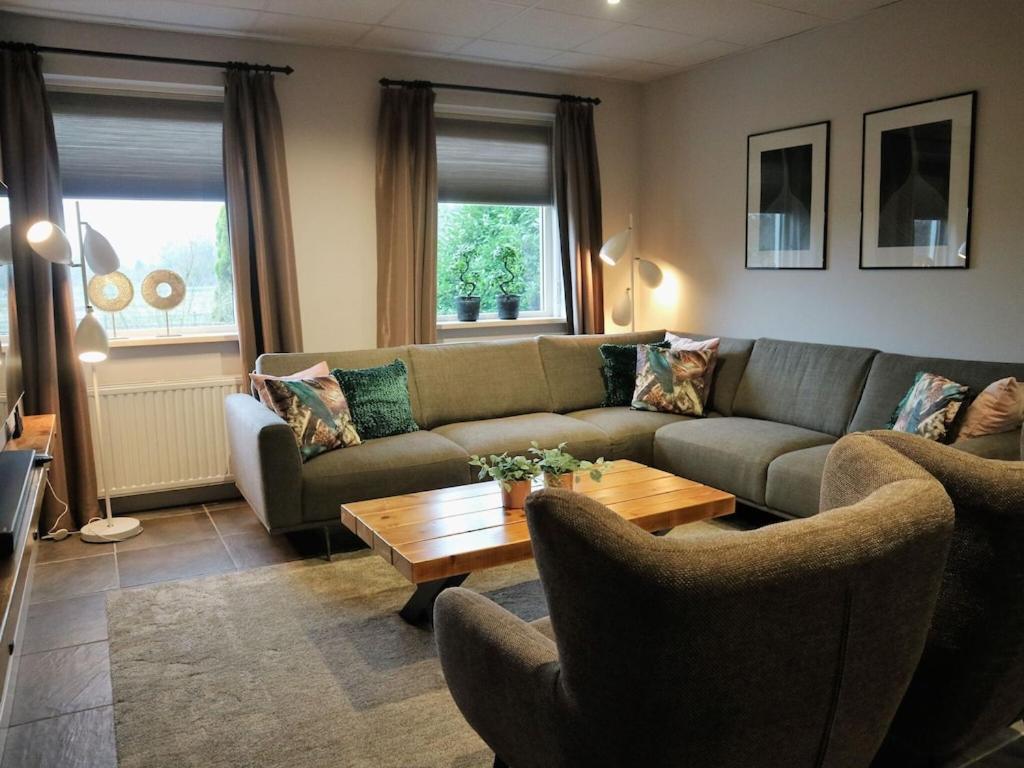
x: 508, y: 307
x: 468, y: 308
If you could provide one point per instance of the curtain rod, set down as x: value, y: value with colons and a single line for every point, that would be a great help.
x: 239, y: 65
x: 386, y: 82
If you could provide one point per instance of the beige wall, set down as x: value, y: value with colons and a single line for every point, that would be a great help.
x: 329, y: 109
x: 694, y: 173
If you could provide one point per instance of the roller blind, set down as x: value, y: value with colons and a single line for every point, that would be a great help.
x: 489, y: 162
x: 131, y: 147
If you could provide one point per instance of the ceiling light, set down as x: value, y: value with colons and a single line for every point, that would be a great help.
x: 613, y: 2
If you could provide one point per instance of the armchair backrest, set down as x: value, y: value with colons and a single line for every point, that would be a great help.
x: 795, y: 641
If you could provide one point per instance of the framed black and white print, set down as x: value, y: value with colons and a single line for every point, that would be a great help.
x: 787, y: 198
x: 916, y: 185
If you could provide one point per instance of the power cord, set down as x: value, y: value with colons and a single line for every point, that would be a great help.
x: 55, y: 533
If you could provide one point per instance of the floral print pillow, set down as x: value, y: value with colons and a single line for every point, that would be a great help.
x: 673, y: 380
x: 317, y: 412
x: 930, y: 407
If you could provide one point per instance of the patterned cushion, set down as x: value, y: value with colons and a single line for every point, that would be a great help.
x: 677, y: 343
x: 929, y: 407
x: 379, y: 399
x: 316, y: 411
x: 673, y: 380
x: 619, y: 373
x: 259, y: 380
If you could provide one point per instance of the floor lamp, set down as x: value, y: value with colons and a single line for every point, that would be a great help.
x: 49, y: 241
x: 624, y: 310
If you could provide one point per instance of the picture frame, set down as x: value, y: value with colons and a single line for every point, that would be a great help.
x: 917, y: 181
x: 787, y: 198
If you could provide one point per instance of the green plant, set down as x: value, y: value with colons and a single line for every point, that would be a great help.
x: 464, y: 256
x: 511, y: 284
x: 558, y: 462
x: 505, y: 469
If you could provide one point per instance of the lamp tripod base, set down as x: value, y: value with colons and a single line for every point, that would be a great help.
x: 111, y: 529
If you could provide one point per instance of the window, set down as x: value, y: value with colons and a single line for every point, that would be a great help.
x: 148, y: 174
x: 494, y: 190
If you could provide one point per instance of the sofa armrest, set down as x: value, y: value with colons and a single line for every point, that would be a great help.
x: 503, y: 674
x: 265, y: 462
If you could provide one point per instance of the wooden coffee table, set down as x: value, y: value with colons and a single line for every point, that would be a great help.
x: 436, y: 538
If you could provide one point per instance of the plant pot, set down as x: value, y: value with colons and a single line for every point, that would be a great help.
x: 515, y: 496
x: 508, y: 307
x: 467, y: 308
x: 560, y: 481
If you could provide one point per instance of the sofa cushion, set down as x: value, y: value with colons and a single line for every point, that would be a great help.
x: 892, y: 375
x: 814, y: 386
x: 572, y: 365
x: 481, y: 380
x: 794, y: 481
x: 630, y: 433
x: 1005, y: 446
x: 733, y: 355
x: 417, y: 461
x: 514, y: 434
x: 731, y: 454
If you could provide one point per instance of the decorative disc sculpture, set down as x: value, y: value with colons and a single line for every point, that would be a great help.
x: 111, y: 293
x: 172, y: 295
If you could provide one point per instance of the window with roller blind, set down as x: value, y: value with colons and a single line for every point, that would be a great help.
x: 148, y: 174
x: 495, y: 188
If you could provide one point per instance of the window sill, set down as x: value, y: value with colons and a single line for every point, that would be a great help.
x: 163, y: 341
x: 451, y: 325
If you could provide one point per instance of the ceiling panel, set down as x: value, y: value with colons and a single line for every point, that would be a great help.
x: 522, y: 54
x: 193, y: 15
x: 549, y: 29
x: 389, y: 38
x: 586, y: 64
x: 831, y: 9
x: 734, y: 21
x: 470, y: 18
x: 699, y: 53
x: 357, y: 11
x: 639, y: 43
x: 304, y: 29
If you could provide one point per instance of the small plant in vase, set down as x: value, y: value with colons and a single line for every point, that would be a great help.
x: 467, y: 306
x: 511, y: 286
x: 559, y: 467
x: 513, y: 473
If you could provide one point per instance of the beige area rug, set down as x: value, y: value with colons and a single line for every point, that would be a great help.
x: 305, y: 664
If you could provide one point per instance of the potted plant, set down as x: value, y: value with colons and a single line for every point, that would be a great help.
x: 510, y: 286
x: 513, y: 473
x: 467, y: 306
x: 559, y: 467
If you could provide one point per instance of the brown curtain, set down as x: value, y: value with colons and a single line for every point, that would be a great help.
x: 406, y: 218
x: 259, y: 218
x: 52, y: 376
x: 578, y: 203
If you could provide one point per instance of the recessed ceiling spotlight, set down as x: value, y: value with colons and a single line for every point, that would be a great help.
x: 613, y: 2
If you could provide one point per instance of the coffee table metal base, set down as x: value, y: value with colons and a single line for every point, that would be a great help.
x: 419, y: 609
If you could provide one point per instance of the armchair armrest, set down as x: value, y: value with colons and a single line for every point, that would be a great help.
x: 503, y: 674
x: 265, y: 462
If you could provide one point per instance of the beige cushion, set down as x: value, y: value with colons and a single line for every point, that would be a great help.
x: 484, y: 380
x: 999, y: 408
x: 794, y: 481
x: 572, y: 365
x: 630, y: 433
x: 417, y: 461
x: 514, y: 433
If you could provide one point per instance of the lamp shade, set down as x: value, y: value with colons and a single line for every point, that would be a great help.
x: 91, y: 340
x: 615, y: 247
x: 6, y: 245
x: 49, y: 241
x: 650, y: 273
x: 622, y: 312
x: 99, y: 253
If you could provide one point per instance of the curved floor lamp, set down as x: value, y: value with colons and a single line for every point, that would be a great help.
x: 624, y: 310
x: 49, y: 241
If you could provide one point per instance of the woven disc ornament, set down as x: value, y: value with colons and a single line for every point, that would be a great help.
x: 112, y: 292
x: 173, y: 294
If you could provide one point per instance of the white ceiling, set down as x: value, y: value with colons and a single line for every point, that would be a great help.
x: 638, y: 40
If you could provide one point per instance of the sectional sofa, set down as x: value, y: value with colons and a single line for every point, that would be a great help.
x: 776, y: 409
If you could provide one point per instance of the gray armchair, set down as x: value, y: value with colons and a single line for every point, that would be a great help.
x: 970, y: 681
x: 787, y: 646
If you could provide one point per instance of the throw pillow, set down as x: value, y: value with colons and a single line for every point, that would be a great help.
x: 379, y: 399
x: 684, y: 343
x: 259, y: 380
x: 672, y: 380
x: 999, y: 408
x: 316, y: 411
x: 929, y: 407
x: 618, y: 370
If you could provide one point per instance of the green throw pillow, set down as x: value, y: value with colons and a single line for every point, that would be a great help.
x: 378, y: 399
x: 619, y: 372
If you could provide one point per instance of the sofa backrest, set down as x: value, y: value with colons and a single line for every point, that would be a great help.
x: 478, y: 380
x: 814, y: 386
x: 891, y: 376
x: 572, y: 365
x: 733, y: 355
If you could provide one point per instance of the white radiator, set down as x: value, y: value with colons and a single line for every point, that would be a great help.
x: 159, y: 437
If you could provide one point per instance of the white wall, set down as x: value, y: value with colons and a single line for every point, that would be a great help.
x: 329, y: 110
x: 695, y: 127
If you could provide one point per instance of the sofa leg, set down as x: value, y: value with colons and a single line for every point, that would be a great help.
x: 499, y: 763
x: 327, y: 543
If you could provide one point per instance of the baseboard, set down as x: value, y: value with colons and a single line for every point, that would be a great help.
x: 178, y: 497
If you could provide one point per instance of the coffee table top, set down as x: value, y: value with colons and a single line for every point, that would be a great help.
x: 436, y: 534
